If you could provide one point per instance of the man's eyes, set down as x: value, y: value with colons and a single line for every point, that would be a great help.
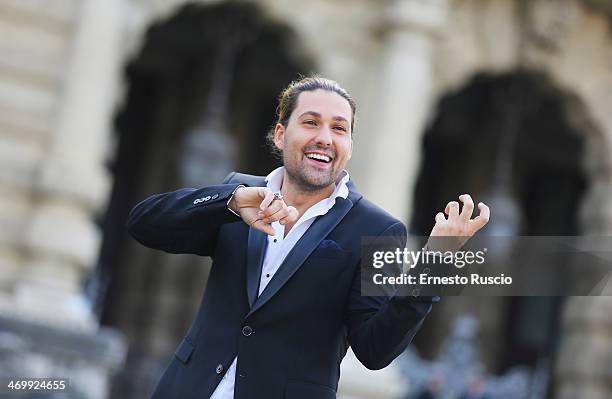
x: 314, y: 123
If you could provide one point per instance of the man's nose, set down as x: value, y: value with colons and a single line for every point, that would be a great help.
x: 324, y: 136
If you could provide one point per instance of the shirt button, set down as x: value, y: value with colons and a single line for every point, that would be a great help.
x: 247, y: 330
x: 275, y: 240
x: 219, y: 369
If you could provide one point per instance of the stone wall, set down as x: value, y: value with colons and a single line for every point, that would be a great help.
x: 59, y: 85
x: 58, y: 77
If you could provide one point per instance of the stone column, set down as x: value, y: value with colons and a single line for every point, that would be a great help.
x: 405, y: 99
x: 584, y: 366
x: 57, y: 91
x: 71, y: 186
x: 391, y: 145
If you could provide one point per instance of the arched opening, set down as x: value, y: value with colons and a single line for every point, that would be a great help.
x: 516, y: 141
x: 202, y: 94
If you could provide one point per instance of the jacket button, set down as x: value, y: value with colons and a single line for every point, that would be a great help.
x: 215, y: 196
x: 219, y: 369
x: 206, y: 198
x: 247, y: 330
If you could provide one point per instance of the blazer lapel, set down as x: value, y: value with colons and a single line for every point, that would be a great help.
x: 255, y: 255
x: 256, y: 246
x: 321, y: 227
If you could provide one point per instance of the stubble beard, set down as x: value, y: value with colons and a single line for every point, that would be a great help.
x: 298, y: 176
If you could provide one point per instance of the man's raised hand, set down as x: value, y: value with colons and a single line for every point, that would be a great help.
x: 459, y: 224
x: 259, y: 207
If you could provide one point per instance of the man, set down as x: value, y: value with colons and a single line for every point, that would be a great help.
x: 283, y: 301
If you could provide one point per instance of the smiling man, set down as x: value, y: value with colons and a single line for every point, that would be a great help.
x: 283, y: 301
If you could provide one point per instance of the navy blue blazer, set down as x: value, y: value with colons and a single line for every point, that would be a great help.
x: 291, y: 339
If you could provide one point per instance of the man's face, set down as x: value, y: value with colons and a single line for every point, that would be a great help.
x: 317, y: 142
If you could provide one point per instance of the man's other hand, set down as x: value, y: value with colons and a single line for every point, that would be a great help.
x: 459, y: 225
x: 258, y: 207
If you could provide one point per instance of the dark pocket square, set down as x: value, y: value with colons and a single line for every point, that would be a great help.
x: 330, y: 244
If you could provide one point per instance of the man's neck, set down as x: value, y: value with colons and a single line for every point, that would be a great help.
x: 302, y: 199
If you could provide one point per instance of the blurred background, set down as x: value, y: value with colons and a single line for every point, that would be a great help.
x: 105, y: 102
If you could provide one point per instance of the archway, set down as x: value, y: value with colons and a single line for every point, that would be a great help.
x: 202, y: 94
x: 517, y: 140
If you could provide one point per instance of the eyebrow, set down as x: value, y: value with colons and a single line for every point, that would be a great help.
x: 318, y: 115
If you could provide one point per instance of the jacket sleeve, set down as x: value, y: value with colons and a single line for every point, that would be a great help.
x: 185, y: 221
x: 381, y: 327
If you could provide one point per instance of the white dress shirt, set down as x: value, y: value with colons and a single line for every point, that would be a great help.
x: 279, y: 246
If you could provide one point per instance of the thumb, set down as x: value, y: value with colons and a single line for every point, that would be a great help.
x: 268, y: 197
x: 263, y: 227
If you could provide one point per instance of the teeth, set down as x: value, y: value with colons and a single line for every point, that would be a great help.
x: 320, y: 157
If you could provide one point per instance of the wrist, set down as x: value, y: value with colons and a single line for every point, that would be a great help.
x: 231, y: 203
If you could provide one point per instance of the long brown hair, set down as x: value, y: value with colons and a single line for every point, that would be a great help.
x: 289, y: 96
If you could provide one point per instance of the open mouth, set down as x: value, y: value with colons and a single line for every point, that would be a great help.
x: 319, y: 157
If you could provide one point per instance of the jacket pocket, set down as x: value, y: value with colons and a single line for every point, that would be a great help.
x: 184, y: 351
x: 308, y: 390
x: 329, y: 253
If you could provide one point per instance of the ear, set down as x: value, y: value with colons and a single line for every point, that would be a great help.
x: 350, y: 153
x: 279, y: 136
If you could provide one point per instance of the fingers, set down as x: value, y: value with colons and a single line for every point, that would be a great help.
x: 264, y: 227
x: 273, y: 208
x: 283, y: 212
x: 468, y: 206
x: 268, y: 198
x: 440, y: 218
x: 483, y: 218
x: 292, y: 216
x: 275, y: 211
x: 452, y: 209
x: 288, y: 214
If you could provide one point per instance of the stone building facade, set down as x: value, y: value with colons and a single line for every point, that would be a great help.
x: 75, y: 78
